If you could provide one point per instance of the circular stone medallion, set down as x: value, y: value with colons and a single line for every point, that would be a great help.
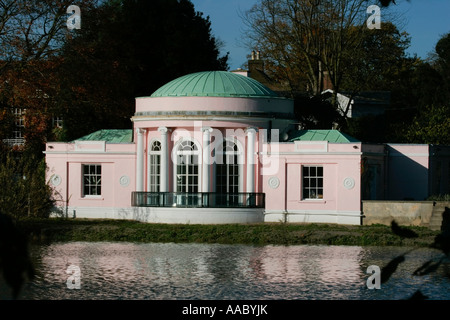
x: 349, y: 183
x: 124, y: 181
x: 55, y: 180
x: 273, y: 182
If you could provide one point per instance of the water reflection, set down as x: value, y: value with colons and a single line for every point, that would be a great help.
x: 208, y: 271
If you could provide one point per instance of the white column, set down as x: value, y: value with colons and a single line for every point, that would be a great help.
x: 140, y: 160
x: 164, y: 177
x: 251, y: 141
x: 206, y: 159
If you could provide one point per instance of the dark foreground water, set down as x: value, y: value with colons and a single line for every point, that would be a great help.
x: 109, y: 270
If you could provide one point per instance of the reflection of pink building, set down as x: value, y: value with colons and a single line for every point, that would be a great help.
x: 214, y: 147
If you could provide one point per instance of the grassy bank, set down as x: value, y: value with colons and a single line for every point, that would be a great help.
x: 51, y: 230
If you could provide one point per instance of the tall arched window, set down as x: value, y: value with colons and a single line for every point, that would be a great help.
x: 187, y: 167
x: 228, y: 171
x: 229, y: 175
x: 154, y: 167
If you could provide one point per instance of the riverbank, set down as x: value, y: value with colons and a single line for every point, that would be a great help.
x: 56, y: 229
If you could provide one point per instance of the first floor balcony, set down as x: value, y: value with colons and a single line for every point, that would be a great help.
x: 198, y: 200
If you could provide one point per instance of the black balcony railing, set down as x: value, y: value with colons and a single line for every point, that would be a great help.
x: 198, y: 200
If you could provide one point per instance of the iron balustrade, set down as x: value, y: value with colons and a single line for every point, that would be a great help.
x: 198, y: 200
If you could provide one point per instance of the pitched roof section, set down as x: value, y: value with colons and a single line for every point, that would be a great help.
x: 110, y: 136
x: 215, y: 84
x: 332, y: 136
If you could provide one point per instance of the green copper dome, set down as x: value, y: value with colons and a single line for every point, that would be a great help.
x: 214, y: 84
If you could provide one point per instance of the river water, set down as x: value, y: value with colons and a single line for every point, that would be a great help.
x: 169, y: 271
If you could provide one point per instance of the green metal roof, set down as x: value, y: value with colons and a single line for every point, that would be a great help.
x: 332, y: 136
x: 214, y: 84
x: 110, y: 136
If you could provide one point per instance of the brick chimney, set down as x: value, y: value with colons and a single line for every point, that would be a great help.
x: 256, y: 67
x: 326, y: 81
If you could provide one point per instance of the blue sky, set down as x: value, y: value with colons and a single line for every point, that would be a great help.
x: 425, y: 21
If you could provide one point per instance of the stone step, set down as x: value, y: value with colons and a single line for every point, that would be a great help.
x: 436, y: 216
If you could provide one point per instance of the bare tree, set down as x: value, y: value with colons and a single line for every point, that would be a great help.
x: 305, y: 40
x: 33, y: 30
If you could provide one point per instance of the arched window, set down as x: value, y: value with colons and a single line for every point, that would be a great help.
x: 154, y: 166
x: 228, y: 168
x: 229, y: 174
x: 187, y: 167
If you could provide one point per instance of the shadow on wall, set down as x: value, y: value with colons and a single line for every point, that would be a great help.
x: 136, y: 213
x: 408, y: 179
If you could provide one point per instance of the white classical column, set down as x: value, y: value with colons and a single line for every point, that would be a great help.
x: 140, y: 159
x: 251, y: 141
x: 164, y: 175
x: 206, y: 159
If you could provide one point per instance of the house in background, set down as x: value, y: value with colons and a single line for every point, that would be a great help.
x: 366, y: 103
x: 17, y: 135
x: 206, y: 148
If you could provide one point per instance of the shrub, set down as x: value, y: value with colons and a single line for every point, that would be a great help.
x: 25, y: 192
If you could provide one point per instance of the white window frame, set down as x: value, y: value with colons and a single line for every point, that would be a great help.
x: 154, y: 164
x: 314, y: 183
x: 178, y: 152
x: 19, y: 123
x: 97, y: 184
x: 235, y: 154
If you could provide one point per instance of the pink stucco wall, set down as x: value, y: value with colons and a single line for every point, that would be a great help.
x: 167, y: 104
x: 341, y: 179
x: 282, y: 161
x: 408, y: 171
x: 118, y: 167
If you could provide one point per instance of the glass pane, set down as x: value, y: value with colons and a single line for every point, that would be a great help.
x: 320, y: 193
x: 320, y: 171
x: 305, y: 194
x: 305, y: 182
x: 156, y: 146
x: 305, y: 171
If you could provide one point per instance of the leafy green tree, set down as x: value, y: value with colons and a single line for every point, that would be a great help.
x: 25, y: 192
x: 422, y: 113
x: 377, y: 61
x: 430, y: 126
x: 126, y: 49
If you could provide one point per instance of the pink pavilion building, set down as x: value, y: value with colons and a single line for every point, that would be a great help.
x: 210, y: 147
